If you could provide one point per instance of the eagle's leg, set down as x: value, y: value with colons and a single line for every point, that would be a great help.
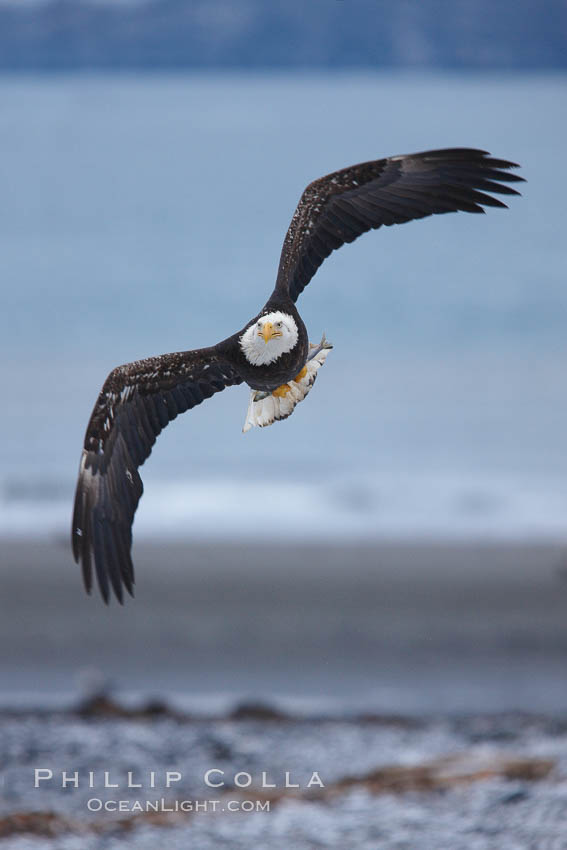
x: 264, y: 408
x: 281, y: 392
x: 316, y: 350
x: 284, y: 389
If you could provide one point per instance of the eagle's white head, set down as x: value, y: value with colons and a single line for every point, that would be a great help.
x: 267, y: 339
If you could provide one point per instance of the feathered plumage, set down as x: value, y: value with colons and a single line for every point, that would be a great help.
x: 136, y: 402
x: 139, y: 399
x: 339, y: 207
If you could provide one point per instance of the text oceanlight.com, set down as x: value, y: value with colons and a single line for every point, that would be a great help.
x: 95, y: 804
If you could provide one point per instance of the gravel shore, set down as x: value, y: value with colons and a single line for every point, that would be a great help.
x: 424, y: 684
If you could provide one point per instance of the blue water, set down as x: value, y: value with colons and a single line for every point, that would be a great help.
x: 145, y: 214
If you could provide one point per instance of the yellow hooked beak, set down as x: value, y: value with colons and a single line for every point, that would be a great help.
x: 267, y: 331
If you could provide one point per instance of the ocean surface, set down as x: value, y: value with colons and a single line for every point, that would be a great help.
x: 141, y: 215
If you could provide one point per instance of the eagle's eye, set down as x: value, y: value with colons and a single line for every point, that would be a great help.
x: 278, y: 325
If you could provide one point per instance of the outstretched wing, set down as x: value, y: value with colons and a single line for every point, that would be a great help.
x: 340, y: 207
x: 136, y: 402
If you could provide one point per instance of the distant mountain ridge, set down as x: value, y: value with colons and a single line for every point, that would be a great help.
x: 75, y: 34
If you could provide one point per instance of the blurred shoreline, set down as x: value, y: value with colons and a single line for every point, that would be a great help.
x: 407, y: 627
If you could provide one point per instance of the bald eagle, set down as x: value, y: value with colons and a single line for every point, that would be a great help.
x: 271, y: 354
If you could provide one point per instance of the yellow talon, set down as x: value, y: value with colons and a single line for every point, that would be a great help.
x: 282, y: 391
x: 301, y: 375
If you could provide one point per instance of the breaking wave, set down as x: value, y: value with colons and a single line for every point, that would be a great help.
x: 372, y: 507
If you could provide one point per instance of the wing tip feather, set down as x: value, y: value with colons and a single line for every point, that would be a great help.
x: 137, y: 400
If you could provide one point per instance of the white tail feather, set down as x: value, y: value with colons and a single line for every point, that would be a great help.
x: 265, y: 409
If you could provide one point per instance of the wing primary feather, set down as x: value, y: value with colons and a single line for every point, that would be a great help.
x: 77, y: 529
x: 491, y: 186
x: 339, y: 207
x: 115, y: 569
x: 117, y: 551
x: 101, y: 567
x: 161, y: 410
x: 87, y: 571
x: 171, y: 407
x: 136, y: 402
